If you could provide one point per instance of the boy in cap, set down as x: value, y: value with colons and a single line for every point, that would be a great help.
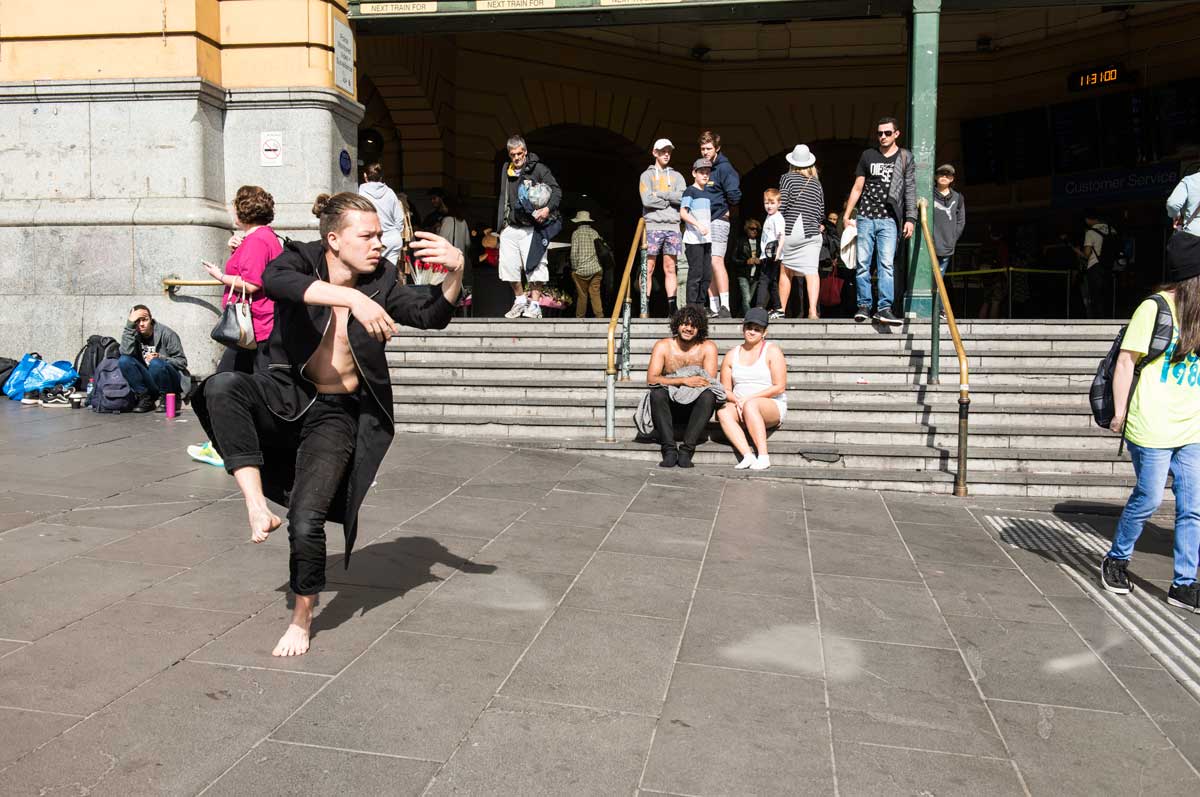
x: 950, y: 215
x: 661, y: 188
x: 695, y: 208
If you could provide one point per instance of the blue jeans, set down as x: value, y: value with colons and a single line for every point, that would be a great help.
x: 156, y: 379
x: 876, y: 237
x: 1151, y: 466
x: 944, y: 263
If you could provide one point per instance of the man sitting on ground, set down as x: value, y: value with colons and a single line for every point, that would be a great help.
x: 152, y: 359
x: 682, y: 379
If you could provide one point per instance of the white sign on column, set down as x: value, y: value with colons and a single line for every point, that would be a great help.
x: 270, y: 148
x: 343, y: 57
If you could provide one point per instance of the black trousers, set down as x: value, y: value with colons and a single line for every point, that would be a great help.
x: 766, y: 293
x: 321, y: 442
x: 244, y: 361
x: 699, y: 258
x: 666, y: 412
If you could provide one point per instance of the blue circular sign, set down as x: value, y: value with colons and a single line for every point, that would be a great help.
x: 344, y: 162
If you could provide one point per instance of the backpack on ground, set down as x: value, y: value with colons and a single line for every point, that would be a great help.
x: 97, y: 348
x: 7, y: 366
x: 110, y: 392
x: 1101, y: 393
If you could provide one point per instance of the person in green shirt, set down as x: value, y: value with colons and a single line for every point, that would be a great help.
x: 1162, y: 427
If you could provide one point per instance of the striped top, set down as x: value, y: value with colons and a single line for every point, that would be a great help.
x: 802, y: 198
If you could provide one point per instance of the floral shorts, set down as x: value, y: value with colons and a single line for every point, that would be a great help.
x: 667, y: 242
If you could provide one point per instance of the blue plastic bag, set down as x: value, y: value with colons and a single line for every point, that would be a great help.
x: 14, y: 388
x: 34, y: 373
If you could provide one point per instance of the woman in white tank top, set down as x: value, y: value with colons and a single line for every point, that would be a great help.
x: 755, y: 378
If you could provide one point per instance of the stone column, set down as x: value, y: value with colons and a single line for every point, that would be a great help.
x: 125, y: 130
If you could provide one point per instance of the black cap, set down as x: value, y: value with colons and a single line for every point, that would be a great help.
x: 756, y: 315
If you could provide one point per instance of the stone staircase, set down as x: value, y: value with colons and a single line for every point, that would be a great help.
x: 861, y: 411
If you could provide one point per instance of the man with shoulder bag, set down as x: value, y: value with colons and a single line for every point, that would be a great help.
x: 1183, y: 208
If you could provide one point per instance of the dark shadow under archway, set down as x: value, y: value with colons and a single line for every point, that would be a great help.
x: 598, y: 171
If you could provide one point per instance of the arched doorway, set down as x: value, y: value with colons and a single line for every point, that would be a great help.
x: 598, y: 171
x: 836, y: 160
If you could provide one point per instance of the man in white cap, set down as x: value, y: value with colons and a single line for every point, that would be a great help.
x: 662, y: 190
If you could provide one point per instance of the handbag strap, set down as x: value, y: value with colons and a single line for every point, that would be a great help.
x: 1190, y: 218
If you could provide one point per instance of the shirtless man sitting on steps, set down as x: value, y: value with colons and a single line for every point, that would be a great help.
x: 688, y: 346
x: 311, y: 432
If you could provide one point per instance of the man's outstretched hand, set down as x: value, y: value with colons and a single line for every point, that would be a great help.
x: 435, y: 249
x: 374, y: 319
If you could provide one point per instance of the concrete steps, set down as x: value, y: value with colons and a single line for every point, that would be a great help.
x: 861, y: 409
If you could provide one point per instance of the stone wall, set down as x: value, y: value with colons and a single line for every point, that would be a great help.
x: 107, y: 187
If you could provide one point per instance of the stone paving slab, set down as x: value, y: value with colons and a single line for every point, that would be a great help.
x: 526, y: 622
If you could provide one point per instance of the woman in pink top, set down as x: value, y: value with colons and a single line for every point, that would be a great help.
x: 254, y: 245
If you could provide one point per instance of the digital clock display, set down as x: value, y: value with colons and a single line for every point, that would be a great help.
x: 1093, y: 78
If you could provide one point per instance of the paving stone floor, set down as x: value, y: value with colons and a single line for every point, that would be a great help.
x: 519, y: 622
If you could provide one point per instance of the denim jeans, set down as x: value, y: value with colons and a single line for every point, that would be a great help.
x: 1151, y: 466
x: 876, y: 237
x: 156, y: 379
x: 944, y: 263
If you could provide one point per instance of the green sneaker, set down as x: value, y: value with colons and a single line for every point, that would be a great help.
x: 207, y: 454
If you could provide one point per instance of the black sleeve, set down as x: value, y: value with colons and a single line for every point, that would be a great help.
x: 418, y: 306
x: 287, y: 277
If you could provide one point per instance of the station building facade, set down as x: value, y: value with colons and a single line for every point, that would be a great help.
x: 128, y: 125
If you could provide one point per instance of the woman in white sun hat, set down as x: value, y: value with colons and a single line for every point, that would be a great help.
x: 803, y: 210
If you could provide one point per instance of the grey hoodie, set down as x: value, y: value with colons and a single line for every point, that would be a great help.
x: 949, y: 218
x: 662, y: 191
x: 391, y: 217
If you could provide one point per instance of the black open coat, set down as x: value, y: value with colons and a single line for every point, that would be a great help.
x: 297, y: 333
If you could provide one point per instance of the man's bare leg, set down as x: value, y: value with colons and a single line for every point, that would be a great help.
x: 262, y: 520
x: 294, y: 641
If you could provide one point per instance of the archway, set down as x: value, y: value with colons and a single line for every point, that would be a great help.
x: 598, y: 171
x: 836, y: 160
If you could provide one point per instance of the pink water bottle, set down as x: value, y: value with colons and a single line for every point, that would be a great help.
x: 170, y: 405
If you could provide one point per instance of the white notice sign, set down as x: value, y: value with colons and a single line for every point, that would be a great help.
x: 343, y: 57
x: 270, y: 148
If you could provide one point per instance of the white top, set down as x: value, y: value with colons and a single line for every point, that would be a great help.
x: 756, y: 377
x: 774, y: 229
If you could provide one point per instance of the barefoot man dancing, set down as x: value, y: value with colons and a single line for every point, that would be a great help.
x: 311, y: 432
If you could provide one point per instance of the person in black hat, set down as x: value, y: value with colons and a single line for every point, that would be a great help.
x: 1161, y: 423
x: 754, y: 375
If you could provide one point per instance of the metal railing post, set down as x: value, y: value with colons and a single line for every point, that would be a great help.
x: 644, y: 284
x: 618, y: 359
x: 626, y: 343
x: 964, y: 382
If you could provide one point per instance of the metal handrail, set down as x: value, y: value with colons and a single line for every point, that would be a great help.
x: 964, y: 382
x: 622, y: 309
x: 169, y: 285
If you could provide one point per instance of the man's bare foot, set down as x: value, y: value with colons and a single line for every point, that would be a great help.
x: 294, y: 642
x: 262, y: 522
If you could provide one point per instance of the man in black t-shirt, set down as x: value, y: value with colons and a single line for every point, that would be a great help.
x: 885, y: 181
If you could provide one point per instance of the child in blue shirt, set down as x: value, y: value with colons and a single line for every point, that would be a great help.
x: 696, y: 211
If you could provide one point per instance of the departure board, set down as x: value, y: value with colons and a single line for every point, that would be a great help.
x: 981, y: 139
x: 1075, y: 132
x: 1029, y: 150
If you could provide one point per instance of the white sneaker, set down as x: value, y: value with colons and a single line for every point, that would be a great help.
x: 762, y: 463
x: 517, y: 309
x: 747, y: 462
x: 532, y: 310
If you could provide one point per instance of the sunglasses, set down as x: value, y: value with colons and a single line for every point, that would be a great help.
x: 886, y: 133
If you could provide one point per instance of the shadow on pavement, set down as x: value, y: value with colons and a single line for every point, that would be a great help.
x: 382, y: 572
